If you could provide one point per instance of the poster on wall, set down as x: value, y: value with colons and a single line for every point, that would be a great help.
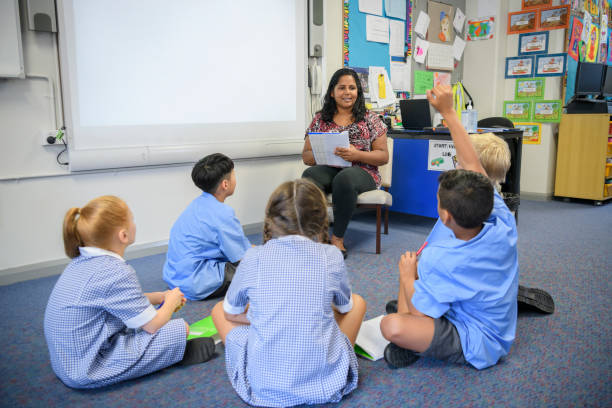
x: 441, y: 25
x: 593, y: 43
x: 531, y: 4
x: 603, y: 40
x: 522, y: 22
x: 533, y: 43
x: 517, y: 110
x: 547, y: 111
x: 528, y: 88
x: 517, y: 67
x: 609, y: 54
x: 532, y: 132
x: 550, y: 64
x: 574, y: 42
x: 554, y: 18
x: 481, y: 29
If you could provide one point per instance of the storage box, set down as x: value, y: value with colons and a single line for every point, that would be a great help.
x: 608, y: 170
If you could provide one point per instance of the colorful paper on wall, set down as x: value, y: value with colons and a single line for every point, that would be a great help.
x: 422, y: 24
x: 458, y: 48
x: 481, y: 29
x: 441, y: 78
x: 574, y: 43
x: 420, y: 50
x: 423, y: 81
x: 459, y: 20
x: 592, y: 45
x: 532, y: 132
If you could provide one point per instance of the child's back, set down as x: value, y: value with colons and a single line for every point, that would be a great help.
x: 296, y: 352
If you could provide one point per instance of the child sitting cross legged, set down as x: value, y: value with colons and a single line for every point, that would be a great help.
x: 294, y: 344
x: 206, y: 241
x: 459, y: 303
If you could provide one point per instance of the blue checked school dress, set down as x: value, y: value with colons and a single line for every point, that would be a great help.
x: 92, y: 324
x: 293, y: 352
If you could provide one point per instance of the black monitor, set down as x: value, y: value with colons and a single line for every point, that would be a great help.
x: 606, y: 89
x: 589, y: 77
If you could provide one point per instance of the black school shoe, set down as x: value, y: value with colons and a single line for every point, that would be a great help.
x: 344, y: 253
x: 535, y: 300
x: 397, y: 357
x: 391, y: 306
x: 198, y: 350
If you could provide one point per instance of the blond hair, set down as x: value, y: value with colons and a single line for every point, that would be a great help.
x: 296, y: 208
x: 94, y: 224
x: 494, y: 155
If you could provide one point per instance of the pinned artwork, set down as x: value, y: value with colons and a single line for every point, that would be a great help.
x: 522, y: 22
x: 592, y: 45
x: 554, y: 18
x: 517, y: 110
x: 531, y: 4
x: 533, y: 43
x: 517, y: 67
x: 532, y: 132
x: 481, y: 29
x: 574, y: 43
x: 551, y: 64
x: 527, y: 88
x: 441, y: 26
x: 547, y: 111
x: 420, y: 50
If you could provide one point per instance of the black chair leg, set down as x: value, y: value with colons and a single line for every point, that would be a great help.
x: 386, y: 220
x: 378, y: 216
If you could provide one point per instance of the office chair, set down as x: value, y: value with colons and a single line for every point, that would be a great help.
x: 495, y: 121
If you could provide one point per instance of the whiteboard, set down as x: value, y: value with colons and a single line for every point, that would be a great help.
x: 11, y: 53
x: 175, y: 80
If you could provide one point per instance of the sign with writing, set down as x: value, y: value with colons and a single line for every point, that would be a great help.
x: 442, y: 155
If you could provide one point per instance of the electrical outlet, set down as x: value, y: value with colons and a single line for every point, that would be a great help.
x: 48, y: 135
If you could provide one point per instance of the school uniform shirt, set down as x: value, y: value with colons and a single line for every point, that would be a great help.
x: 202, y: 240
x: 93, y: 319
x: 474, y: 284
x: 293, y: 352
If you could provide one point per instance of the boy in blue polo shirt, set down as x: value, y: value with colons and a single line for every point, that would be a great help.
x: 459, y: 303
x: 206, y: 241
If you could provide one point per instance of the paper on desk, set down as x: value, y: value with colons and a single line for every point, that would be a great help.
x: 377, y: 29
x: 323, y: 147
x: 422, y: 24
x: 396, y: 38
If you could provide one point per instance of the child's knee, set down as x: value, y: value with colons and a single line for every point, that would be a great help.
x: 390, y: 327
x: 217, y: 312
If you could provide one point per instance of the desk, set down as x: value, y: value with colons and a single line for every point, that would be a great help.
x: 414, y: 188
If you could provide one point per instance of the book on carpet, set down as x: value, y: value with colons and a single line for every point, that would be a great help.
x: 204, y: 328
x: 370, y: 342
x: 323, y: 147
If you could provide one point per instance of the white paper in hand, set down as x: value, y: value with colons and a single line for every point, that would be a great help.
x: 323, y: 147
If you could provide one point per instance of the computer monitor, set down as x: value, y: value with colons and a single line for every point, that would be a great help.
x: 415, y: 113
x: 589, y: 77
x: 606, y: 89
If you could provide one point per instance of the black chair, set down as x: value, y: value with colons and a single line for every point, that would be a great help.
x: 496, y: 122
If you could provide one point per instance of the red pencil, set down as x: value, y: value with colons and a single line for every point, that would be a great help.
x: 421, y: 248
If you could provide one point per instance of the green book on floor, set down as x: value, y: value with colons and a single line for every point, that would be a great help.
x: 203, y: 328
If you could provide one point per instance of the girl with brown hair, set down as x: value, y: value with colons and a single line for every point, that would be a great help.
x: 294, y: 345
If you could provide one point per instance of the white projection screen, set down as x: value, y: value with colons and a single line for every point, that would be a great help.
x: 150, y: 82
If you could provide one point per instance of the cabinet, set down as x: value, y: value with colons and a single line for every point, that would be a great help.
x: 582, y: 157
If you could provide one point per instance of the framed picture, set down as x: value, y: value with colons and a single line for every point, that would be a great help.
x: 533, y: 43
x: 527, y: 88
x: 554, y: 17
x: 532, y: 132
x: 522, y: 21
x: 547, y: 111
x: 481, y: 29
x: 551, y: 64
x: 517, y: 110
x: 531, y: 4
x: 574, y: 42
x: 441, y: 24
x: 519, y: 67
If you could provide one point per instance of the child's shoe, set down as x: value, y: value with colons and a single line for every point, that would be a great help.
x: 391, y: 306
x: 198, y: 350
x: 535, y: 300
x: 397, y: 357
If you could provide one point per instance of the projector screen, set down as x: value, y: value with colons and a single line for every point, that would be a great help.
x: 159, y: 82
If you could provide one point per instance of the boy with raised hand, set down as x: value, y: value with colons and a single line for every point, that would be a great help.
x: 459, y: 304
x: 206, y: 241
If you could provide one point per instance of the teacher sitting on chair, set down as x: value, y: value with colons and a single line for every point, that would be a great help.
x: 344, y: 110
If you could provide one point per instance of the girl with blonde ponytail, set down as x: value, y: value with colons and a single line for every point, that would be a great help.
x: 99, y: 325
x: 302, y: 318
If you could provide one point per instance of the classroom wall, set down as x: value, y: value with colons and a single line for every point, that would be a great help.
x: 35, y: 191
x: 483, y: 76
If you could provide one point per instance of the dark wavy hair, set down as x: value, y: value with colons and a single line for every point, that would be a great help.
x: 329, y: 104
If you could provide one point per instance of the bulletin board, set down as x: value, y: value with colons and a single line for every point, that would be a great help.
x: 360, y: 53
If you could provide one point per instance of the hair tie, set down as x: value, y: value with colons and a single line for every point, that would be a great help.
x: 297, y: 214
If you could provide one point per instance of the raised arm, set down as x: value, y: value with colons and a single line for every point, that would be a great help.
x: 441, y: 98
